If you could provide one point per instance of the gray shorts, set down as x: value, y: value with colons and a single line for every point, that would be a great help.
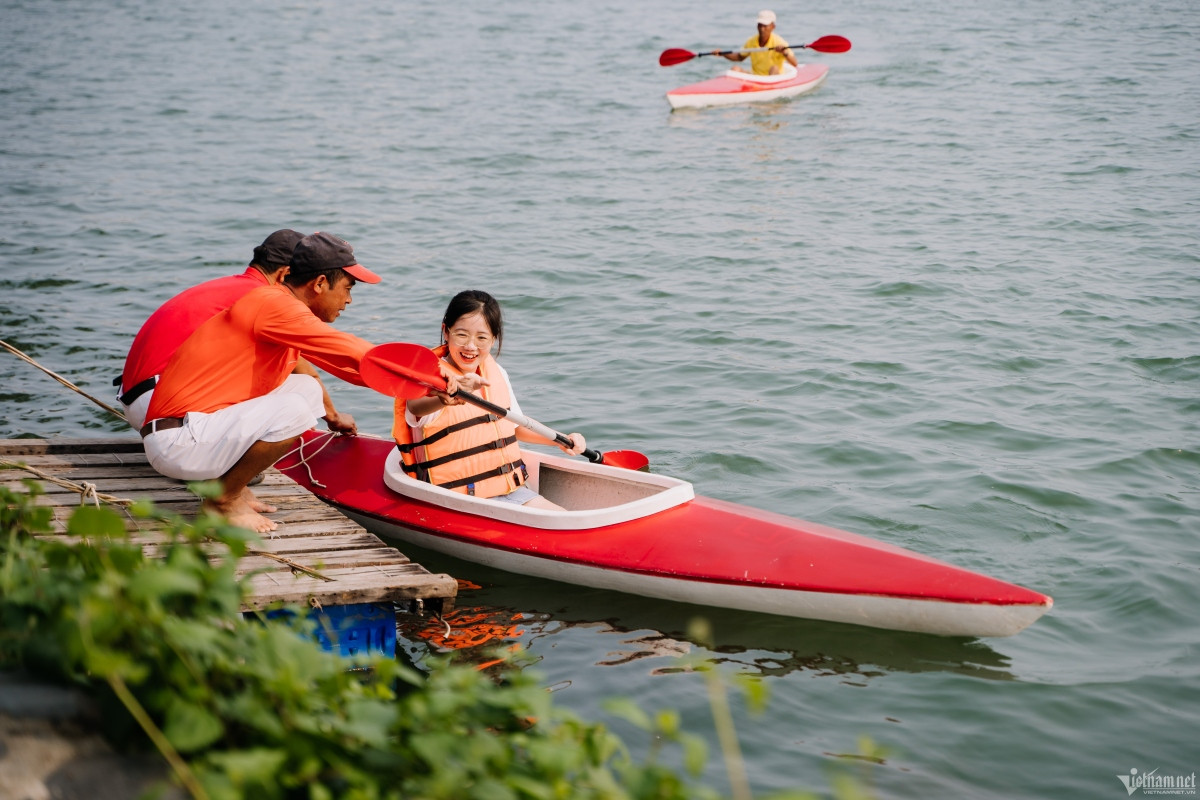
x: 519, y: 496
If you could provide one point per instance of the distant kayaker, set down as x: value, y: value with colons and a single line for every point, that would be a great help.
x: 462, y: 447
x: 176, y: 320
x: 764, y: 62
x: 238, y: 393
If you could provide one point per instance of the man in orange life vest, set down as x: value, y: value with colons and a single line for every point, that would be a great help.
x: 175, y: 320
x: 238, y: 393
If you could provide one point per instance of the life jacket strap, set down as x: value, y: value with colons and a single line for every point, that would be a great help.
x: 446, y: 431
x: 499, y: 444
x: 517, y: 467
x: 417, y: 470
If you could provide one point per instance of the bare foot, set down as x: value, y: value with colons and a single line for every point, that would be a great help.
x: 256, y: 504
x: 239, y: 513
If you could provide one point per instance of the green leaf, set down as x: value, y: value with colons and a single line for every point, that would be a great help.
x: 103, y: 662
x: 191, y: 727
x: 756, y: 691
x: 667, y: 722
x: 629, y: 711
x: 257, y: 765
x: 160, y: 581
x: 695, y: 754
x: 370, y: 721
x: 93, y: 522
x: 205, y: 489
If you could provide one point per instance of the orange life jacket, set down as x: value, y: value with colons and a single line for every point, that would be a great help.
x: 465, y: 449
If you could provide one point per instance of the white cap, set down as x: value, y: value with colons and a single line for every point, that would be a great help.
x: 766, y: 18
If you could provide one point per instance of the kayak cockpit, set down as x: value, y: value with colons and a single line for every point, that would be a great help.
x: 786, y: 74
x: 593, y: 495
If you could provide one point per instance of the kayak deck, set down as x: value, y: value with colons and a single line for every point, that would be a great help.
x: 593, y: 495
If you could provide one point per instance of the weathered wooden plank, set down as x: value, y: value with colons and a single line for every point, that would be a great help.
x: 312, y: 534
x: 179, y: 501
x: 132, y: 486
x: 47, y: 460
x: 71, y: 470
x: 320, y: 544
x: 149, y: 533
x: 303, y: 521
x: 377, y: 557
x: 350, y: 586
x: 124, y: 444
x: 118, y: 477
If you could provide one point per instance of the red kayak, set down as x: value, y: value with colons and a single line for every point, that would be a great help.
x: 744, y: 87
x: 649, y: 535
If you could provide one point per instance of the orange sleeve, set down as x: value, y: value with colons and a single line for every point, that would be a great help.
x: 286, y: 321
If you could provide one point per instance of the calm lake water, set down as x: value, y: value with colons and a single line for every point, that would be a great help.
x: 949, y: 301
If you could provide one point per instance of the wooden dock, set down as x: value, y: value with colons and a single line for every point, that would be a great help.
x: 355, y: 565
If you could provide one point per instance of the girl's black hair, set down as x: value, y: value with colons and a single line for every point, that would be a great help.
x: 474, y: 301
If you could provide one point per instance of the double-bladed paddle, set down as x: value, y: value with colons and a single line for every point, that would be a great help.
x: 408, y: 371
x: 826, y: 44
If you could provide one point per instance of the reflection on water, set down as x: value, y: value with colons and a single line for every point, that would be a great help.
x: 503, y: 610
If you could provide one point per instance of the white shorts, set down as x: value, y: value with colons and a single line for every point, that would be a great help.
x: 208, y: 445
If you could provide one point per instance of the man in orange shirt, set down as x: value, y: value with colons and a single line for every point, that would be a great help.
x: 238, y: 393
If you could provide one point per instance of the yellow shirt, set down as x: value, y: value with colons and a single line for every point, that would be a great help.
x: 761, y: 63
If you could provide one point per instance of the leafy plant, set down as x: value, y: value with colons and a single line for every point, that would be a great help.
x: 256, y: 708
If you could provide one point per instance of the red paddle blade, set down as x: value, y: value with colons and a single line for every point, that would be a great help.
x: 830, y: 44
x: 626, y: 459
x: 401, y: 370
x: 673, y: 56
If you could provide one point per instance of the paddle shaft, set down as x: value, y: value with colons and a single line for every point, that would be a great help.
x: 826, y: 44
x: 525, y: 422
x: 595, y: 456
x: 404, y: 371
x: 752, y: 50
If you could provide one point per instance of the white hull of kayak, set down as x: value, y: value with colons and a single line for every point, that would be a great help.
x: 899, y: 614
x: 736, y: 87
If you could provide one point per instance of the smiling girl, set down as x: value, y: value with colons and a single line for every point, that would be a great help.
x: 457, y: 446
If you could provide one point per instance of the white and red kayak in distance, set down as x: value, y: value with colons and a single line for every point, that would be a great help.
x: 650, y: 535
x: 744, y: 87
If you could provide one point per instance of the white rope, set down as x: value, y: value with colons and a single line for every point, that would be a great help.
x: 303, y: 461
x: 89, y: 490
x: 59, y: 378
x: 85, y: 489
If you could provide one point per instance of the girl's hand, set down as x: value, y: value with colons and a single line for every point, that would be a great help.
x: 470, y: 382
x: 579, y: 444
x: 447, y: 399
